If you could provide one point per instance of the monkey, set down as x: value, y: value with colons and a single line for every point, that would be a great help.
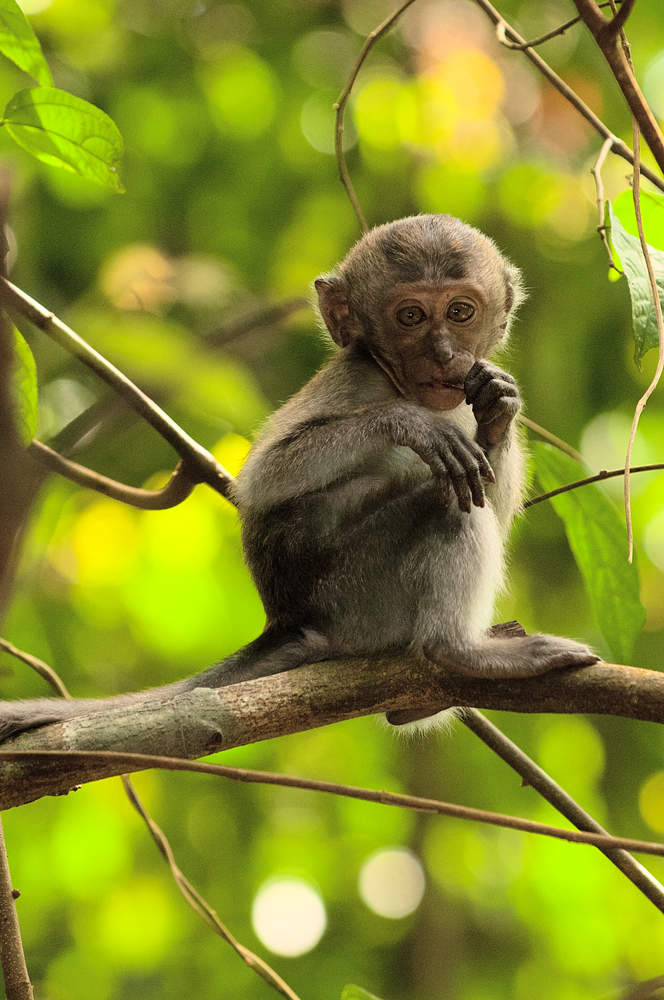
x: 376, y: 503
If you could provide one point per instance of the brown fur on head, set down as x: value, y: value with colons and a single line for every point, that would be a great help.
x: 421, y: 248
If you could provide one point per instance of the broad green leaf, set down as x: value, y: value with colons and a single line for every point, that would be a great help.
x: 652, y: 215
x: 66, y: 131
x: 628, y: 249
x: 24, y: 382
x: 19, y: 43
x: 598, y: 541
x: 352, y: 992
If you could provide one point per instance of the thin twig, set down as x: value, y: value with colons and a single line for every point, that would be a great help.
x: 599, y: 184
x: 618, y: 147
x: 41, y: 668
x: 200, y: 905
x: 559, y: 443
x: 139, y: 761
x: 12, y: 956
x: 340, y: 107
x: 178, y: 488
x: 533, y: 775
x: 259, y: 318
x: 592, y: 479
x: 500, y: 33
x: 196, y: 457
x: 654, y: 291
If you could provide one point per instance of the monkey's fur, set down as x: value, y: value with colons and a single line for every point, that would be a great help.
x: 376, y: 502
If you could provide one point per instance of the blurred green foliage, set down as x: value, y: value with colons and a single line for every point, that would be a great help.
x: 233, y: 203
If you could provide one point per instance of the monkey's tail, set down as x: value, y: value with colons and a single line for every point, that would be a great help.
x: 275, y: 650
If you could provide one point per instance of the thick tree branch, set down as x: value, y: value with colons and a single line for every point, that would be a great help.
x: 606, y: 33
x: 204, y: 721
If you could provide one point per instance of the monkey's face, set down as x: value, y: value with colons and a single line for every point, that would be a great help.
x: 431, y: 337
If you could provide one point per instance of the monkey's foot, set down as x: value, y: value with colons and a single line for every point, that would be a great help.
x: 529, y: 656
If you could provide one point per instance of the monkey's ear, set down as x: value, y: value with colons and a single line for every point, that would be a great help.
x: 334, y: 308
x: 509, y: 297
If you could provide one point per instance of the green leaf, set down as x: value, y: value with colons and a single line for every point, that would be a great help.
x: 652, y: 216
x: 351, y: 992
x: 644, y: 318
x: 66, y: 131
x: 24, y: 384
x: 19, y: 43
x: 598, y: 541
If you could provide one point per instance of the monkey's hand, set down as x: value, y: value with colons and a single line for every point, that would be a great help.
x: 453, y: 458
x: 494, y: 397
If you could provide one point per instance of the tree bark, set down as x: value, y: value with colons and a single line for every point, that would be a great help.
x: 204, y: 721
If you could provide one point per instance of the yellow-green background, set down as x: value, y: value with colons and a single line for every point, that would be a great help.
x: 232, y: 202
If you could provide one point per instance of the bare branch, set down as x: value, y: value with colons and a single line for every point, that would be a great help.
x: 533, y: 775
x: 260, y: 318
x: 618, y: 147
x: 196, y: 457
x: 140, y: 762
x: 39, y: 666
x: 592, y: 479
x: 607, y: 35
x: 12, y: 957
x: 340, y: 107
x: 560, y: 30
x: 177, y: 489
x: 205, y: 721
x: 200, y: 905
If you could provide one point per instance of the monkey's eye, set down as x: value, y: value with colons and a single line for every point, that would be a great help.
x: 460, y: 312
x: 411, y: 315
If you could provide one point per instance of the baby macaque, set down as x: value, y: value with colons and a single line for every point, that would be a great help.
x: 376, y: 502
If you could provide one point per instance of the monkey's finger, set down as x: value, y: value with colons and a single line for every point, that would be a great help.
x: 460, y: 485
x: 440, y: 475
x: 473, y: 477
x: 472, y: 457
x: 479, y: 375
x: 503, y: 407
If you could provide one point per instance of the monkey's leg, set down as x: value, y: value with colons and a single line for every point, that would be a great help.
x: 272, y: 652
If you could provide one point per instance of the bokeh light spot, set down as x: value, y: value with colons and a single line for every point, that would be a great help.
x: 288, y: 916
x: 392, y: 883
x: 651, y: 801
x: 241, y: 92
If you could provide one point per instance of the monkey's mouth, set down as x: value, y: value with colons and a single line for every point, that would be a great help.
x: 442, y: 394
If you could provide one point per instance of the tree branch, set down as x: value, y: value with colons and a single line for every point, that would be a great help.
x: 607, y: 35
x: 177, y: 489
x: 132, y: 763
x: 592, y: 479
x: 14, y: 969
x: 196, y: 457
x: 618, y: 147
x: 204, y: 721
x: 538, y: 779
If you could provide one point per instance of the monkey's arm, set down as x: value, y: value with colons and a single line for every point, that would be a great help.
x: 330, y: 448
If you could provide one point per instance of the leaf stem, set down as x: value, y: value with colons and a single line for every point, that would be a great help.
x: 654, y: 291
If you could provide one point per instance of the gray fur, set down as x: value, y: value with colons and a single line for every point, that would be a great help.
x: 371, y: 521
